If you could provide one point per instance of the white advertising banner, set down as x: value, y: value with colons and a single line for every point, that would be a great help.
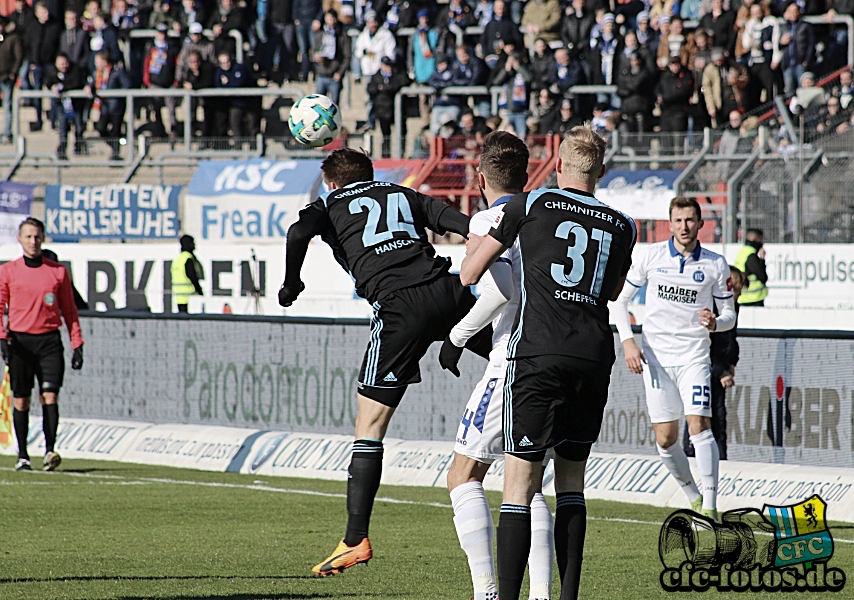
x: 248, y: 201
x: 189, y: 446
x: 84, y: 438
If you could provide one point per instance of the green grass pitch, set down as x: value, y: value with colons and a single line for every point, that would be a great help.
x: 97, y: 530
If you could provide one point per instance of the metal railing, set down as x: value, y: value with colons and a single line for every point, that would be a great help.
x: 149, y: 34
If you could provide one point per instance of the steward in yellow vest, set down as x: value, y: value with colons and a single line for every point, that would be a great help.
x: 751, y: 260
x: 186, y: 273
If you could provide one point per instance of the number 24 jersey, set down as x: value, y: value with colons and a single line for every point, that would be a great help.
x: 377, y: 233
x: 573, y: 252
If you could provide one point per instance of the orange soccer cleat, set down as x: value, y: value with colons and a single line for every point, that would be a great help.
x: 344, y: 557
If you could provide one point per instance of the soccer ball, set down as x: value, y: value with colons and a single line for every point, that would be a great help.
x: 315, y: 120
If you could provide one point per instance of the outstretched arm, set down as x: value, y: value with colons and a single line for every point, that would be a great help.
x: 312, y: 221
x: 481, y: 252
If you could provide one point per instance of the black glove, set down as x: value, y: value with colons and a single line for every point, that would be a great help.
x: 77, y: 358
x: 449, y: 356
x: 287, y: 295
x: 4, y: 350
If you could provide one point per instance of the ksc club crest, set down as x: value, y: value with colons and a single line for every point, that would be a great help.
x: 802, y: 534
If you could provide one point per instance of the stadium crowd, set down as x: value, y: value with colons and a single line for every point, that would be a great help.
x: 676, y: 65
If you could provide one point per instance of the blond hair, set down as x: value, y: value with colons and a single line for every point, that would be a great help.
x: 583, y: 153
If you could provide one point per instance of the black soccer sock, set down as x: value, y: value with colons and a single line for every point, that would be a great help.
x: 50, y: 423
x: 21, y: 419
x: 514, y: 546
x: 570, y: 529
x: 366, y: 468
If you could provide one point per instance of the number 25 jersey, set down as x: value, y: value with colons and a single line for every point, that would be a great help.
x: 377, y: 233
x: 573, y: 252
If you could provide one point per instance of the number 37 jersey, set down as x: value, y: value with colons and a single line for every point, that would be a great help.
x: 573, y: 252
x: 377, y: 233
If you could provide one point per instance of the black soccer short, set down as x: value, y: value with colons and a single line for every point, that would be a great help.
x: 554, y: 402
x: 404, y: 325
x: 38, y: 356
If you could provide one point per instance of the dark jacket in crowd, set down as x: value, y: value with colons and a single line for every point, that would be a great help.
x: 508, y: 79
x: 440, y: 80
x: 307, y: 10
x: 722, y: 29
x: 633, y: 88
x: 575, y: 32
x: 117, y: 80
x: 500, y: 29
x: 233, y: 19
x: 565, y: 77
x: 382, y: 91
x: 540, y: 67
x: 474, y: 73
x: 110, y: 44
x: 675, y: 91
x: 594, y: 59
x: 802, y: 47
x: 341, y: 63
x: 75, y: 44
x: 553, y: 123
x: 74, y: 79
x: 11, y: 53
x: 41, y: 41
x: 236, y: 77
x: 161, y: 66
x: 205, y: 78
x: 22, y: 18
x: 280, y: 12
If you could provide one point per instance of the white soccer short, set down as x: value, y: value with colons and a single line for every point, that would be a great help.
x: 481, y: 435
x: 670, y: 390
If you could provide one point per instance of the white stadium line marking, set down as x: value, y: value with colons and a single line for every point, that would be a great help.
x: 120, y: 480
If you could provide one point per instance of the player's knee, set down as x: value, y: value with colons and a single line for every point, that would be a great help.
x: 464, y: 470
x: 698, y: 424
x: 21, y: 401
x: 666, y: 437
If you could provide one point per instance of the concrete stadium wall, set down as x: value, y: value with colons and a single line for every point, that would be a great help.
x: 300, y: 375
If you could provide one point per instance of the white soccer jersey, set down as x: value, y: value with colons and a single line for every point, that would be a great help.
x: 678, y: 287
x: 502, y: 325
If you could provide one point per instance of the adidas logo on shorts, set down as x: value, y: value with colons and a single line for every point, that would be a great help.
x: 390, y: 377
x: 526, y: 442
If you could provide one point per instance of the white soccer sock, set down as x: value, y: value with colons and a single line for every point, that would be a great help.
x: 542, y: 549
x: 473, y: 522
x: 708, y: 460
x: 677, y: 463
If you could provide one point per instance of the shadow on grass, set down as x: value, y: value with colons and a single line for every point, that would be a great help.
x: 84, y: 578
x: 296, y: 596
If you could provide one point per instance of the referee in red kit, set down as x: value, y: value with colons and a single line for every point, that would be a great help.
x: 37, y: 291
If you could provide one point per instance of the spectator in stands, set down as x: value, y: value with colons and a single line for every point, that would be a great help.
x: 372, y: 45
x: 633, y: 84
x: 647, y: 36
x: 515, y: 77
x: 631, y: 45
x: 422, y: 58
x: 604, y: 50
x: 734, y: 140
x: 331, y: 56
x: 626, y: 11
x: 63, y: 77
x: 124, y: 16
x: 542, y: 58
x: 663, y: 8
x: 21, y: 15
x: 398, y: 13
x: 469, y: 70
x: 723, y: 82
x: 244, y: 112
x: 160, y: 72
x: 561, y: 121
x: 445, y: 106
x: 797, y: 46
x: 41, y: 45
x: 195, y: 42
x: 74, y: 42
x: 198, y: 75
x: 223, y: 42
x: 161, y: 12
x: 500, y: 29
x: 307, y: 16
x: 565, y: 72
x: 577, y: 25
x: 762, y: 55
x: 721, y: 24
x: 690, y: 10
x: 382, y: 88
x: 457, y: 15
x: 545, y: 105
x: 472, y: 126
x: 104, y: 38
x: 11, y: 59
x: 231, y: 16
x: 675, y: 89
x: 282, y: 45
x: 844, y: 91
x: 832, y: 117
x: 483, y: 12
x: 676, y: 43
x: 542, y: 20
x: 108, y: 76
x: 191, y: 12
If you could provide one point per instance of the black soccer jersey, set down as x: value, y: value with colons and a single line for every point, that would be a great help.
x: 377, y: 233
x: 573, y: 251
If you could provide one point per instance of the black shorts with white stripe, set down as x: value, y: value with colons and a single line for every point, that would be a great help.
x: 404, y: 325
x: 554, y: 401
